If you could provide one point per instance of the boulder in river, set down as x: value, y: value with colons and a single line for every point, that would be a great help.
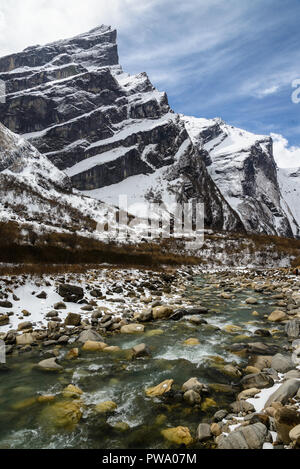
x: 241, y: 406
x: 89, y: 335
x: 25, y: 339
x: 160, y: 389
x: 295, y: 435
x: 49, y: 365
x: 204, y: 432
x: 92, y: 346
x: 292, y: 328
x: 191, y: 342
x: 141, y: 350
x: 72, y: 392
x: 192, y: 398
x: 106, y: 407
x: 287, y: 390
x: 132, y: 329
x: 258, y: 380
x: 192, y: 384
x: 285, y: 420
x: 251, y: 301
x: 178, y: 436
x: 282, y: 363
x: 145, y: 316
x: 277, y: 316
x: 65, y: 414
x: 162, y: 312
x: 250, y: 437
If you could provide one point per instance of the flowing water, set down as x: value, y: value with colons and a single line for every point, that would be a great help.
x: 25, y: 423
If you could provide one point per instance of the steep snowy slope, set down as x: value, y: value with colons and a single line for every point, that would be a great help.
x: 105, y: 128
x: 242, y: 166
x: 33, y: 191
x: 289, y: 182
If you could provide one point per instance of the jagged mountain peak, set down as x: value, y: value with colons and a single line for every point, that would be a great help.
x: 244, y: 169
x: 93, y: 49
x: 115, y: 134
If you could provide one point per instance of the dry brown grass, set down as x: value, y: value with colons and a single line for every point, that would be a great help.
x: 68, y: 252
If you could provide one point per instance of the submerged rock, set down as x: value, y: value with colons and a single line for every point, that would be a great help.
x: 191, y: 342
x: 73, y: 353
x: 106, y: 407
x: 192, y: 384
x: 66, y: 414
x: 192, y: 397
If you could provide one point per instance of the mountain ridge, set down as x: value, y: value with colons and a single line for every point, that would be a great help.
x: 113, y: 133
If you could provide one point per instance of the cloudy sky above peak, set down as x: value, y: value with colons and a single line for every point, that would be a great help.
x: 232, y: 59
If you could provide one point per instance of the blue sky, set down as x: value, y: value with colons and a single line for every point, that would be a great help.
x: 234, y: 59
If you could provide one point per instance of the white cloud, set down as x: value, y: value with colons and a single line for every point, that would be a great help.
x: 285, y: 156
x: 27, y: 22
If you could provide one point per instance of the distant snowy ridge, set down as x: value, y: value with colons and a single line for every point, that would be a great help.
x: 243, y: 167
x: 106, y: 128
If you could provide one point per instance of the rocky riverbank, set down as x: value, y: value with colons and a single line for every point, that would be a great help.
x: 235, y: 336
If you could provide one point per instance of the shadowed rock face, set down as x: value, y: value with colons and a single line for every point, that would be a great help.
x: 243, y: 168
x: 74, y: 103
x: 33, y: 192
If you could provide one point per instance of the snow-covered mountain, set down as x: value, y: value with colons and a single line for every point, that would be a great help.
x: 33, y: 192
x: 243, y: 167
x: 289, y: 183
x: 115, y: 134
x: 112, y: 133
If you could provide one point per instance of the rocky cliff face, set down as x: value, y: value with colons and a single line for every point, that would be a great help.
x: 115, y: 134
x: 33, y: 192
x: 112, y: 133
x: 289, y: 183
x: 243, y: 167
